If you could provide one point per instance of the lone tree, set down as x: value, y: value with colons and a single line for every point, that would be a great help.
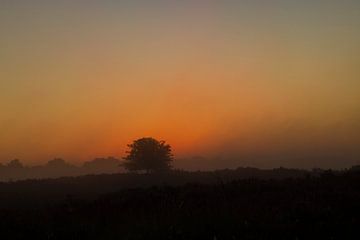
x: 148, y: 154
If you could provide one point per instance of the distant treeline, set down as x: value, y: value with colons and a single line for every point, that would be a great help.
x: 15, y: 170
x: 57, y: 168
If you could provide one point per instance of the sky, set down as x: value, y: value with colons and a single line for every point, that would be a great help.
x: 263, y: 83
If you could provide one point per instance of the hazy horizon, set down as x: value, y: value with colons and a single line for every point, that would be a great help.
x: 226, y: 83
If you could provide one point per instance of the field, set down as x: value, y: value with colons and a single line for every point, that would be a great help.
x: 201, y: 205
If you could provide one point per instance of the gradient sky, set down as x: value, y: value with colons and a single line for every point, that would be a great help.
x: 227, y: 83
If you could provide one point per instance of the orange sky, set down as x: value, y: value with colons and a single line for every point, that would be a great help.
x: 240, y: 83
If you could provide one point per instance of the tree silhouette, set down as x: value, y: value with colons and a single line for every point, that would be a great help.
x: 148, y: 154
x: 15, y: 164
x: 57, y: 163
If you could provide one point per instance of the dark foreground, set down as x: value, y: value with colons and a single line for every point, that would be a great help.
x: 322, y: 207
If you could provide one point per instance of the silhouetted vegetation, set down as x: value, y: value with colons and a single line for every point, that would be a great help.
x: 145, y: 155
x: 153, y: 201
x: 15, y: 170
x: 148, y: 154
x: 245, y: 203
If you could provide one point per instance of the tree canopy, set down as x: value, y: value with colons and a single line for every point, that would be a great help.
x: 148, y: 154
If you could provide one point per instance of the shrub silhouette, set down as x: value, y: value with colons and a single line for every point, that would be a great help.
x: 148, y: 154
